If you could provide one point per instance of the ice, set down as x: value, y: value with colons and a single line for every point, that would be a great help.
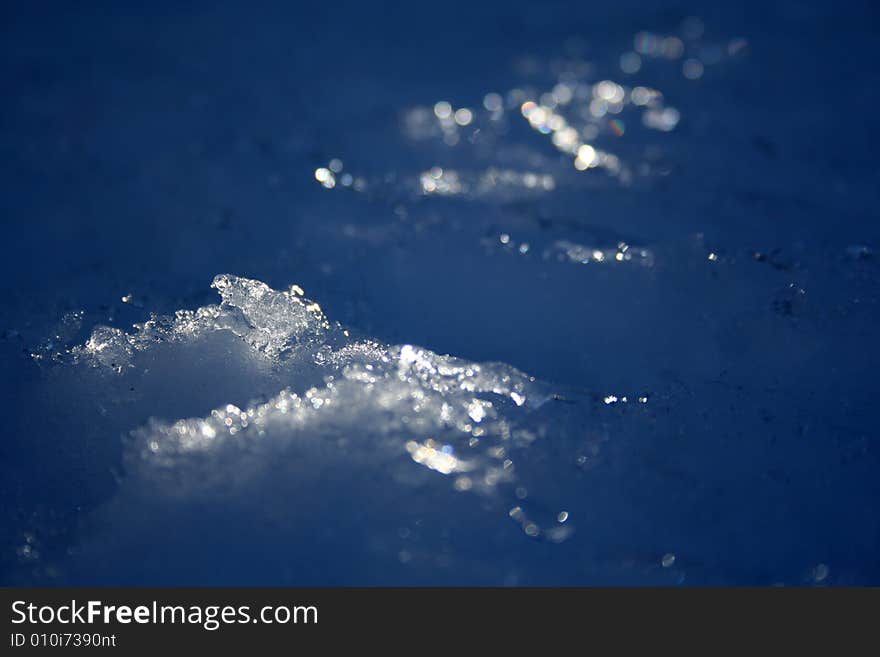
x: 381, y: 391
x: 647, y: 252
x: 385, y: 393
x: 271, y: 322
x: 351, y: 408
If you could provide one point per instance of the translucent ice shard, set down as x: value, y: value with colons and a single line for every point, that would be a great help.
x: 276, y: 321
x: 272, y: 322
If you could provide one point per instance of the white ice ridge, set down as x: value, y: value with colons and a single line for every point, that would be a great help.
x: 448, y: 415
x: 270, y: 321
x: 373, y: 403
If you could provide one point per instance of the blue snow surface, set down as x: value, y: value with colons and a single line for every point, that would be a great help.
x: 448, y: 293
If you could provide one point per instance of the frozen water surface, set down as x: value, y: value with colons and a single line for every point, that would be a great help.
x: 584, y: 295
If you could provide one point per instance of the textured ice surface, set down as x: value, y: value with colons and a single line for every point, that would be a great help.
x: 360, y: 461
x: 269, y: 321
x: 370, y: 398
x: 387, y: 425
x: 657, y: 217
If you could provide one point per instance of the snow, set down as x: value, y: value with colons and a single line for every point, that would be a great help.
x: 585, y: 297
